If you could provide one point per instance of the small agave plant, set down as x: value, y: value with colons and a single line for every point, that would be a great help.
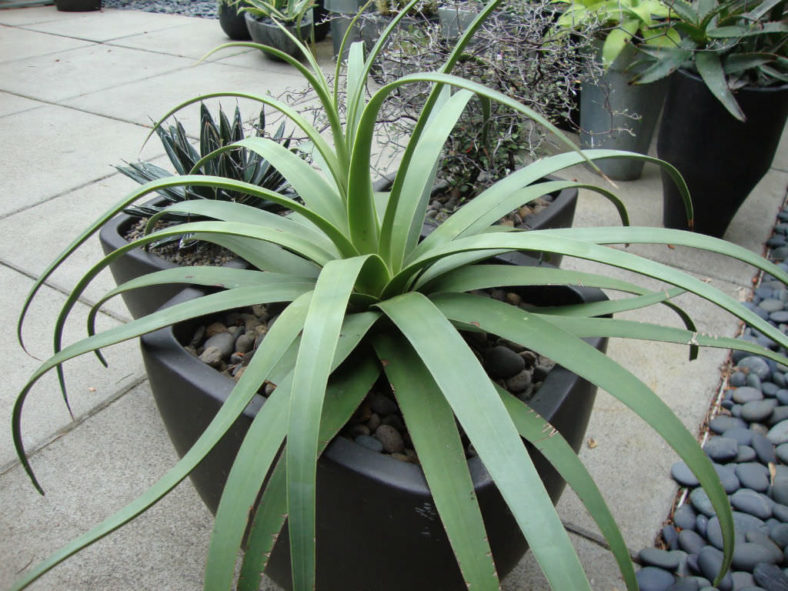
x: 239, y: 164
x: 354, y: 278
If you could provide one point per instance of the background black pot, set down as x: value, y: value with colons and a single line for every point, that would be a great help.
x: 233, y: 22
x: 266, y: 32
x: 376, y: 522
x: 721, y: 158
x: 78, y: 5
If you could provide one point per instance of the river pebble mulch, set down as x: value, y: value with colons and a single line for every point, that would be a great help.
x: 228, y: 341
x: 196, y: 8
x: 748, y: 445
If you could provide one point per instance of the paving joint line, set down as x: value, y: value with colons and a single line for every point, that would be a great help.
x: 106, y: 403
x: 595, y: 538
x: 82, y: 299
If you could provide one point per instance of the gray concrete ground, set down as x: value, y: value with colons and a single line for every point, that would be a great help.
x: 77, y: 92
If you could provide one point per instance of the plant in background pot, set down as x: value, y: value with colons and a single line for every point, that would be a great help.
x: 613, y: 112
x: 726, y: 106
x: 240, y: 164
x: 275, y: 22
x: 364, y: 303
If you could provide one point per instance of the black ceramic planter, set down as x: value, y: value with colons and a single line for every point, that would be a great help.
x: 233, y: 22
x: 133, y: 264
x: 377, y: 527
x: 78, y: 5
x: 721, y: 158
x: 267, y: 32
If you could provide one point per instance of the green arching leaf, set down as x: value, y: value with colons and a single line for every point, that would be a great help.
x: 355, y: 80
x: 617, y: 40
x: 543, y: 240
x: 612, y: 306
x: 237, y: 212
x: 466, y: 217
x: 226, y: 300
x: 432, y: 428
x: 220, y: 277
x: 266, y: 357
x: 488, y: 426
x: 406, y: 223
x: 266, y: 256
x: 312, y: 368
x: 317, y: 193
x: 613, y: 327
x: 667, y: 60
x: 710, y: 69
x: 255, y: 455
x: 560, y: 454
x: 546, y: 338
x: 345, y: 392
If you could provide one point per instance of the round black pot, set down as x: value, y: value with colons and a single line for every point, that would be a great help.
x: 78, y: 5
x: 233, y: 22
x: 721, y: 158
x: 267, y: 32
x: 377, y: 528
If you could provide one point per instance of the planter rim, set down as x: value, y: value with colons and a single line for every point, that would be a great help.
x: 547, y: 401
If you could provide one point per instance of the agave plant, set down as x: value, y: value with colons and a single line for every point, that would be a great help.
x: 354, y: 279
x: 240, y: 164
x: 730, y: 43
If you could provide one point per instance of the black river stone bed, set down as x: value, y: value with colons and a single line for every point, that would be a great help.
x: 198, y: 8
x: 748, y: 443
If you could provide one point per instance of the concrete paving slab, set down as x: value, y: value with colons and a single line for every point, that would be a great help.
x: 110, y: 24
x: 96, y: 469
x: 73, y: 211
x: 142, y: 101
x: 89, y: 384
x: 601, y: 570
x: 17, y: 44
x: 11, y: 103
x: 34, y: 14
x: 72, y: 148
x: 83, y: 70
x: 193, y: 39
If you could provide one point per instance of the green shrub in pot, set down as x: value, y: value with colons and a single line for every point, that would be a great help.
x: 731, y: 44
x: 613, y: 112
x: 355, y: 280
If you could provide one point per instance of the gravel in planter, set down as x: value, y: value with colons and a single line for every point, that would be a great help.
x: 197, y: 8
x: 749, y: 444
x: 227, y: 343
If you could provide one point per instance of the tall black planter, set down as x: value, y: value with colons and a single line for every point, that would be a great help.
x: 721, y: 158
x: 78, y: 5
x: 377, y: 528
x: 233, y: 22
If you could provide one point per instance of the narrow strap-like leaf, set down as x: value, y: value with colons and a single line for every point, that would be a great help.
x: 432, y: 428
x: 402, y: 234
x: 312, y: 369
x: 545, y: 338
x: 710, y: 69
x: 549, y: 441
x: 555, y: 241
x: 260, y: 446
x: 483, y: 416
x: 262, y: 363
x: 343, y: 395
